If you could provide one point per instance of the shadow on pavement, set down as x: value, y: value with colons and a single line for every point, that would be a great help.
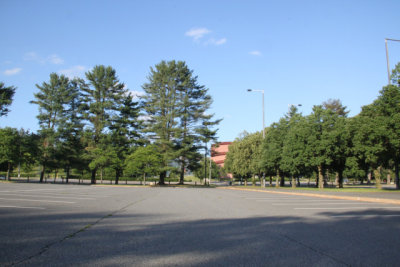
x: 368, y: 237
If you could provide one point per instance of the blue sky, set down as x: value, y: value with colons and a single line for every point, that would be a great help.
x: 299, y: 52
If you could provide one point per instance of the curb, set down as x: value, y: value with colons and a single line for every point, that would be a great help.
x: 364, y: 199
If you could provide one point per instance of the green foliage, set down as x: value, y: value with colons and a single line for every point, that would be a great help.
x: 105, y: 96
x: 244, y: 156
x: 9, y: 147
x: 216, y: 171
x: 176, y: 121
x: 6, y: 98
x: 52, y: 100
x: 144, y: 161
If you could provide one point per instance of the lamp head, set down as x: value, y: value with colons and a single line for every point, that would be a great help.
x: 249, y: 90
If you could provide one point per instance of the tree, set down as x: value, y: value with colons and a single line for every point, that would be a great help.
x: 205, y: 165
x: 387, y: 114
x: 104, y: 96
x: 273, y: 149
x: 9, y: 148
x: 70, y: 145
x: 293, y: 158
x: 144, y: 161
x: 175, y: 106
x: 340, y: 136
x: 336, y: 106
x: 240, y: 156
x: 192, y: 106
x: 206, y: 135
x: 124, y: 133
x: 6, y: 98
x: 51, y: 99
x: 28, y: 150
x: 320, y: 141
x: 369, y: 139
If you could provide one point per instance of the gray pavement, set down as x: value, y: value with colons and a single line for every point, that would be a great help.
x: 80, y: 225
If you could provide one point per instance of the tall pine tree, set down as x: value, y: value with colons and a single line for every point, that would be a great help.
x: 104, y: 96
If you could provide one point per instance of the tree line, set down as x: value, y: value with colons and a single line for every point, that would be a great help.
x: 326, y: 142
x: 96, y: 123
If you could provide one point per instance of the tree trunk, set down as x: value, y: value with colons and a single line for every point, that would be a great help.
x: 253, y: 180
x: 68, y: 174
x: 396, y: 172
x: 144, y: 178
x: 182, y: 173
x: 263, y: 180
x: 341, y: 179
x: 245, y: 181
x: 205, y: 164
x: 270, y: 181
x: 162, y: 178
x: 377, y: 173
x: 283, y: 180
x: 278, y: 178
x: 320, y: 178
x: 8, y: 171
x: 117, y: 174
x: 42, y: 172
x: 293, y: 182
x: 326, y: 175
x: 93, y: 181
x: 369, y: 177
x: 337, y: 180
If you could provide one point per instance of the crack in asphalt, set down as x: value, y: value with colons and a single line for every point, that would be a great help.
x: 72, y: 235
x: 314, y: 249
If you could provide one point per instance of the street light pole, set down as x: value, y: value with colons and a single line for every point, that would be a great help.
x: 263, y: 116
x: 387, y: 56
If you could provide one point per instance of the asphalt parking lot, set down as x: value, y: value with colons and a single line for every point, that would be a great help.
x: 80, y: 225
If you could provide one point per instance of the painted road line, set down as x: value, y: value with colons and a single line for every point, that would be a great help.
x: 37, y: 200
x: 24, y: 195
x: 18, y: 207
x: 365, y: 199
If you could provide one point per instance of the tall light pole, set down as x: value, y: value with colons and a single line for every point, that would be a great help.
x: 387, y: 56
x: 263, y: 122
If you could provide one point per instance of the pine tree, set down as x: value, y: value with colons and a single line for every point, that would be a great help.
x: 103, y: 96
x: 125, y: 127
x: 51, y: 99
x: 6, y: 98
x: 71, y: 128
x: 175, y: 106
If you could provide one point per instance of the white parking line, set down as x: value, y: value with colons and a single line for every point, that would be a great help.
x: 27, y: 195
x: 37, y: 200
x: 18, y: 207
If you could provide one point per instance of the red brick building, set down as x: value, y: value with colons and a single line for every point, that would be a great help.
x: 218, y: 154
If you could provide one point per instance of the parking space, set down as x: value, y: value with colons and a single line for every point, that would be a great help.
x: 80, y: 225
x: 316, y: 206
x: 34, y: 196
